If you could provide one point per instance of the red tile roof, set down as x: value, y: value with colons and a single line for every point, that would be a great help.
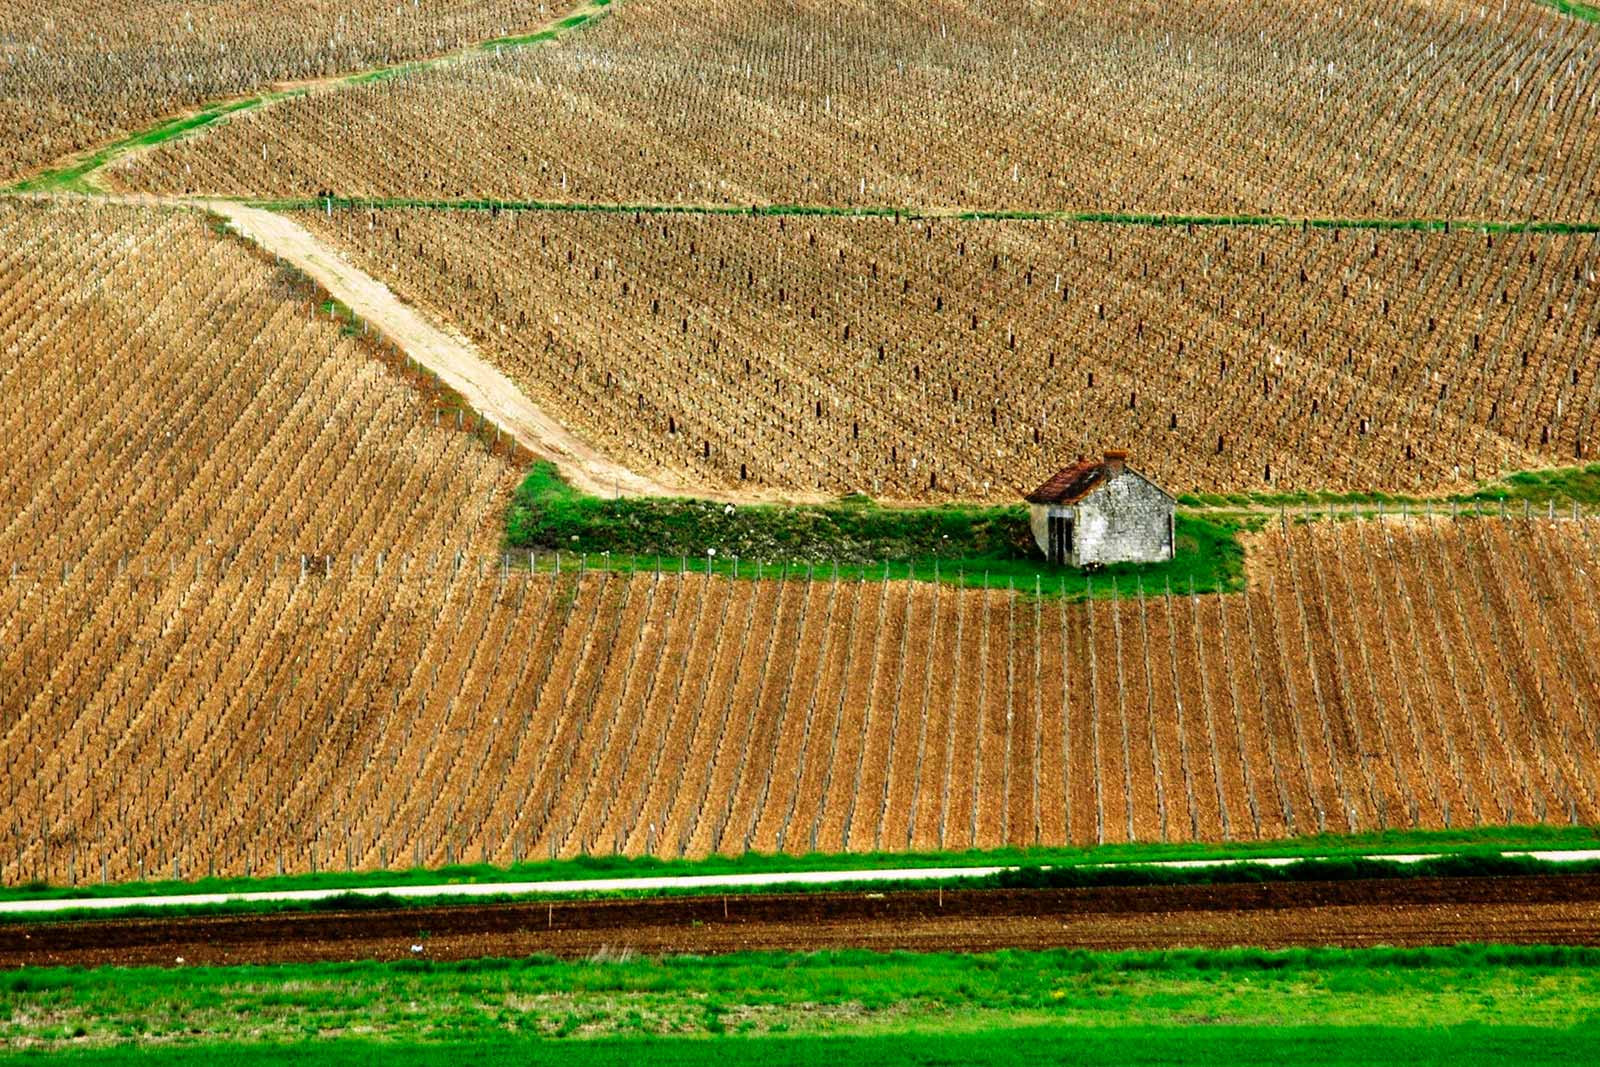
x: 1069, y: 484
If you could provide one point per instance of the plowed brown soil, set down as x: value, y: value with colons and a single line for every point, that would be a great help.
x: 1422, y: 911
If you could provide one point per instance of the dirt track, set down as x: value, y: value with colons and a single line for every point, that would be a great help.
x: 446, y: 353
x: 1547, y: 910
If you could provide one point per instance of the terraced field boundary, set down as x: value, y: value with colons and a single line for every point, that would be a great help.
x: 76, y: 175
x: 912, y: 213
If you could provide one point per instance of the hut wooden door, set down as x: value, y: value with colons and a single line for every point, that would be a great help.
x: 1060, y: 537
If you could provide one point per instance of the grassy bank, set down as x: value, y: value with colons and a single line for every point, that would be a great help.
x: 971, y: 545
x: 1222, y: 1044
x: 1477, y: 839
x: 776, y: 1005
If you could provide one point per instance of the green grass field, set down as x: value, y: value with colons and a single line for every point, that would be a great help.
x: 1222, y: 1007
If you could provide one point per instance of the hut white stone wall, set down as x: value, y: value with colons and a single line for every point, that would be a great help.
x: 1099, y: 512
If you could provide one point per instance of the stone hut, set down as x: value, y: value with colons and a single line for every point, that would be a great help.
x: 1103, y: 511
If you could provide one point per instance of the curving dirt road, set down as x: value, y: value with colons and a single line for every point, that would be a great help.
x: 1561, y: 909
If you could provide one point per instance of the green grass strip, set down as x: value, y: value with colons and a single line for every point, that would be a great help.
x: 1539, y: 837
x: 571, y: 22
x: 800, y: 1008
x: 911, y: 213
x: 76, y: 176
x: 1585, y: 12
x: 1561, y: 486
x: 1558, y: 485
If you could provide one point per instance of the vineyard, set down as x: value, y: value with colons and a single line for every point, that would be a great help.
x: 939, y: 359
x: 182, y: 398
x: 1369, y: 108
x: 258, y: 612
x: 249, y: 715
x: 78, y: 73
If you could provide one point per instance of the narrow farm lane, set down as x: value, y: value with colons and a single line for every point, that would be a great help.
x: 676, y: 883
x: 453, y: 358
x: 1560, y: 910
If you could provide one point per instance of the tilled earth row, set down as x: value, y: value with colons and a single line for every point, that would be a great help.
x: 1423, y: 911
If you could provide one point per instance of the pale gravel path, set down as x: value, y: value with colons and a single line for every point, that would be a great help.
x: 444, y: 352
x: 706, y: 881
